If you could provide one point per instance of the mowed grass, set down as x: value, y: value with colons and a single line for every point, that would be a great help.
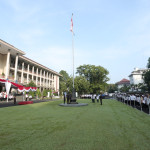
x: 47, y: 126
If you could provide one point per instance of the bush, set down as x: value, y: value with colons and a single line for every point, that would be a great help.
x: 55, y: 93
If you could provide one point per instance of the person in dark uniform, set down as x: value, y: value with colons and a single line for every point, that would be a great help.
x: 101, y: 97
x: 14, y: 98
x: 68, y: 98
x: 64, y: 97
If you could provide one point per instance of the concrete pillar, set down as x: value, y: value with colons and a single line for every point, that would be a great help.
x: 36, y: 76
x: 32, y: 73
x: 44, y: 79
x: 16, y: 67
x: 47, y: 80
x: 40, y: 77
x: 7, y: 64
x: 53, y: 81
x: 22, y: 72
x: 58, y: 83
x: 28, y: 73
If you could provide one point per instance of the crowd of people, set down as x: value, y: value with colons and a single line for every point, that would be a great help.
x: 89, y: 96
x: 136, y: 100
x: 97, y: 97
x: 140, y: 98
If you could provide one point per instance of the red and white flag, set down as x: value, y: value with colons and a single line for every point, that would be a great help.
x: 71, y: 28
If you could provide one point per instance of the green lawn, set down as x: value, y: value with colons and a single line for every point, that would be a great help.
x: 47, y: 126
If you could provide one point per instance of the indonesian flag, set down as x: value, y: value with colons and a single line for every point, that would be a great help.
x: 71, y: 28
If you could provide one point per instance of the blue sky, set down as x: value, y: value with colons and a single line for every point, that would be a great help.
x: 112, y: 33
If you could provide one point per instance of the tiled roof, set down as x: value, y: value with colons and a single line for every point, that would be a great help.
x: 123, y: 81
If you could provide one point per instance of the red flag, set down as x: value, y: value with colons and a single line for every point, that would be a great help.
x: 71, y: 29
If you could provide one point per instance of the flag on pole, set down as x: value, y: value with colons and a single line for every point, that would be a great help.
x: 71, y: 28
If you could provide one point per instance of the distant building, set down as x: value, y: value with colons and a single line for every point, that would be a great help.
x: 122, y: 83
x: 136, y: 76
x: 15, y: 67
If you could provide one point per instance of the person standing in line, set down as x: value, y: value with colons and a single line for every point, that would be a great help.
x: 93, y: 98
x: 97, y: 97
x: 101, y: 97
x: 141, y: 101
x: 14, y: 98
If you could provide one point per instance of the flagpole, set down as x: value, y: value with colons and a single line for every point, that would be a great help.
x: 73, y: 99
x: 73, y: 57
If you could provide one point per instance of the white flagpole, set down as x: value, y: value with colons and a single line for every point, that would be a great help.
x: 73, y: 57
x: 73, y: 99
x: 72, y: 48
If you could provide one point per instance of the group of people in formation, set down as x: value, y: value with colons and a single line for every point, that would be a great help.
x: 98, y: 97
x: 3, y: 96
x: 67, y: 96
x: 140, y: 98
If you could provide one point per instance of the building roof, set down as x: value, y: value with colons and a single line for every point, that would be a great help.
x: 124, y: 81
x: 39, y: 65
x: 137, y: 71
x: 4, y: 46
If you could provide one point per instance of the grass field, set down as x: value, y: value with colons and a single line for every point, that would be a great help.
x: 47, y: 126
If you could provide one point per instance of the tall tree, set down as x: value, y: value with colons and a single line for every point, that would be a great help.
x: 96, y: 75
x: 111, y: 88
x: 31, y: 84
x: 81, y: 85
x: 148, y: 64
x: 63, y: 81
x: 64, y: 76
x: 146, y: 76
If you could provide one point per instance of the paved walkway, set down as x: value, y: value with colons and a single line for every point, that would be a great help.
x: 11, y: 102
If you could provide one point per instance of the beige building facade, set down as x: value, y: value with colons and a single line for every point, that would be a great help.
x: 136, y: 76
x: 20, y: 69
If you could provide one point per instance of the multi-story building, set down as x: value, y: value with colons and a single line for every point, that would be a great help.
x: 122, y: 83
x: 20, y: 69
x: 136, y: 76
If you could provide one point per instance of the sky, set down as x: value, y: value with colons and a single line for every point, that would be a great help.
x: 114, y: 34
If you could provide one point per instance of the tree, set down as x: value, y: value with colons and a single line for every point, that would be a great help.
x: 63, y: 81
x: 81, y: 85
x: 146, y: 78
x: 64, y: 76
x: 51, y: 93
x: 38, y: 93
x: 111, y: 88
x: 31, y: 84
x: 45, y: 93
x: 125, y: 88
x: 148, y: 64
x: 95, y: 75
